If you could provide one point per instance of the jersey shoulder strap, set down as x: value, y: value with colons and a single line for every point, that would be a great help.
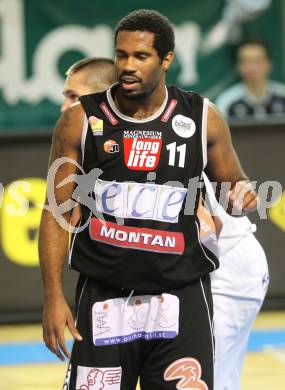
x: 189, y: 97
x: 91, y: 102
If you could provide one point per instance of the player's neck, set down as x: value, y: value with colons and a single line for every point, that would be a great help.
x: 257, y: 88
x: 141, y: 108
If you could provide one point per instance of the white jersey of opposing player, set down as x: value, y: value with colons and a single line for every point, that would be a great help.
x: 243, y: 268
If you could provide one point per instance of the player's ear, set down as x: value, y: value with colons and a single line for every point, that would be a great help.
x: 167, y: 60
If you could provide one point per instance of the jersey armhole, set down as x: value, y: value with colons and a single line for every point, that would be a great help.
x: 204, y: 131
x: 83, y: 137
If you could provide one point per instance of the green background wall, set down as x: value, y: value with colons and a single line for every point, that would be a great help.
x: 39, y: 41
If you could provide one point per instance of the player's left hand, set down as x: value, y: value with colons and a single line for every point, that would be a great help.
x: 242, y: 199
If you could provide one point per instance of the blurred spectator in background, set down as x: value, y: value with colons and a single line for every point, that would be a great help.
x: 255, y: 96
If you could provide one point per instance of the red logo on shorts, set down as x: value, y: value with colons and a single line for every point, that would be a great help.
x: 142, y: 154
x: 188, y: 371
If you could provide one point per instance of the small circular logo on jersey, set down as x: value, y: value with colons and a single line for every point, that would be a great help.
x: 183, y: 126
x: 111, y: 146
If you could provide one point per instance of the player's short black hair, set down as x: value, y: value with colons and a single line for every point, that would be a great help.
x: 255, y: 42
x: 151, y: 21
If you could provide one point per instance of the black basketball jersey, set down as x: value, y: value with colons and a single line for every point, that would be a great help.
x: 142, y: 230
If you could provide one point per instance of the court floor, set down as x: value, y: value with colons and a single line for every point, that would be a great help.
x: 25, y: 363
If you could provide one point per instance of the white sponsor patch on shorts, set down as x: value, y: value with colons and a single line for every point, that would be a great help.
x: 123, y: 320
x: 95, y: 378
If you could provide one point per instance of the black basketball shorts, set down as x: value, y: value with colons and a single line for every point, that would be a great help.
x: 165, y: 340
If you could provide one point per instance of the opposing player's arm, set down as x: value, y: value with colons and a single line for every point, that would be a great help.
x: 53, y: 239
x: 223, y: 164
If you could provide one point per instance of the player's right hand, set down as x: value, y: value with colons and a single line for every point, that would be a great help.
x: 56, y: 316
x: 242, y: 198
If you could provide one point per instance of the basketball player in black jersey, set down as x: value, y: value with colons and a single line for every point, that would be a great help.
x: 143, y: 300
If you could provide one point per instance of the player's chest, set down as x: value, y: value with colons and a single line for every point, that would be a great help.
x: 147, y: 147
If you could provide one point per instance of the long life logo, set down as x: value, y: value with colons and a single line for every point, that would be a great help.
x: 142, y: 150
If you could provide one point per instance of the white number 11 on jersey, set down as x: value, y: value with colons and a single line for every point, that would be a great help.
x: 173, y: 149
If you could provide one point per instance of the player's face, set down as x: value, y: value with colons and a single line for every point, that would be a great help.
x: 74, y: 86
x: 140, y: 70
x: 253, y: 63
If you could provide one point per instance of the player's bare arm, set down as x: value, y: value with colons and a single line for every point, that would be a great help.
x: 53, y: 239
x: 223, y: 164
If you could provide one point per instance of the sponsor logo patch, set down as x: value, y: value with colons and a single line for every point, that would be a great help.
x: 136, y: 238
x: 169, y: 110
x: 139, y: 200
x: 94, y: 378
x: 111, y: 146
x: 142, y: 150
x: 183, y: 126
x: 124, y: 320
x: 96, y: 125
x: 108, y: 114
x: 188, y: 371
